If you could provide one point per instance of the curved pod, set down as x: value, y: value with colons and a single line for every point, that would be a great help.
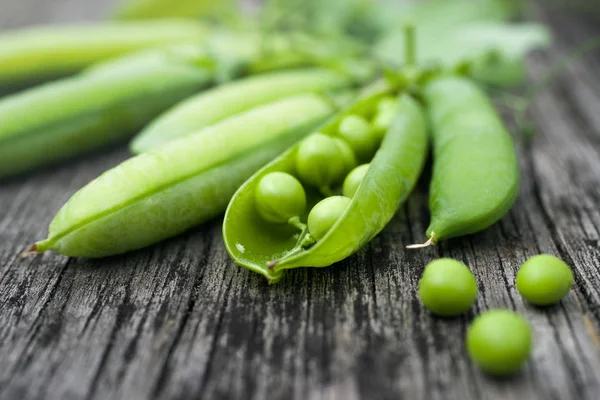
x: 168, y: 190
x: 102, y: 105
x: 268, y: 248
x: 229, y: 99
x: 475, y: 169
x: 48, y: 51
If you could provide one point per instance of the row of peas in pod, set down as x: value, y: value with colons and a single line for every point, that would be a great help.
x: 333, y: 191
x: 323, y: 162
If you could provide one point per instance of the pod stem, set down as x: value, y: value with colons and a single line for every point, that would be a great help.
x: 305, y: 240
x: 410, y: 46
x: 326, y: 191
x: 428, y: 243
x: 32, y: 250
x: 295, y: 222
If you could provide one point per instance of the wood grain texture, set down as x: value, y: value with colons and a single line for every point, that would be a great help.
x: 179, y: 320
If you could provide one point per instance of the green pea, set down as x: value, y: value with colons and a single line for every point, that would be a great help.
x: 175, y: 187
x: 387, y: 103
x: 319, y: 161
x: 354, y: 179
x: 49, y: 51
x: 212, y: 106
x: 544, y: 280
x: 347, y: 154
x: 447, y: 287
x: 355, y: 130
x: 475, y: 178
x: 280, y: 197
x: 386, y: 112
x: 325, y: 214
x: 499, y: 341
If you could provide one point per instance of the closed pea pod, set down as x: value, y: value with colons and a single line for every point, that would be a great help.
x: 150, y: 9
x: 229, y: 99
x: 168, y: 190
x: 269, y: 250
x: 475, y: 168
x: 47, y: 51
x: 102, y: 105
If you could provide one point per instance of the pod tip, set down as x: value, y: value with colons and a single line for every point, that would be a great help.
x: 428, y: 243
x: 32, y: 250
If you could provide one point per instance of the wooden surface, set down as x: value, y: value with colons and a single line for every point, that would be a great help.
x: 179, y: 320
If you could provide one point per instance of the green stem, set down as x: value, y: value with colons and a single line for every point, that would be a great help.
x: 326, y: 191
x: 295, y: 221
x: 307, y: 241
x: 410, y: 45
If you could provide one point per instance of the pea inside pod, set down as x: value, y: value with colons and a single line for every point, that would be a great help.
x: 34, y: 53
x: 231, y: 98
x: 264, y: 248
x: 475, y: 168
x: 166, y: 191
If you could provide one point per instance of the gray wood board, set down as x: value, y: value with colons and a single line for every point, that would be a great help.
x: 180, y: 320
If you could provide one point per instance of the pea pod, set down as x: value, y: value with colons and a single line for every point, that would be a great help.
x: 229, y: 99
x: 150, y: 9
x: 475, y: 171
x: 270, y: 249
x: 48, y: 51
x: 168, y: 190
x: 99, y: 106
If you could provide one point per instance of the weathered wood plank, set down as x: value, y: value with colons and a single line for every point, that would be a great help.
x: 179, y: 320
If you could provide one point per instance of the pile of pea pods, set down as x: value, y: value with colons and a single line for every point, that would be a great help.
x: 308, y: 145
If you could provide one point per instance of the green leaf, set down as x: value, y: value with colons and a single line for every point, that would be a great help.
x: 439, y: 16
x: 495, y: 50
x: 468, y: 42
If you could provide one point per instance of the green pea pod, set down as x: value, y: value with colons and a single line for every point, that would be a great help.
x: 229, y: 99
x: 269, y: 249
x: 103, y: 105
x: 475, y: 169
x: 170, y: 189
x: 41, y: 52
x: 150, y: 9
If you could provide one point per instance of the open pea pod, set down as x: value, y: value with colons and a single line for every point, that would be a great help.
x: 270, y: 249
